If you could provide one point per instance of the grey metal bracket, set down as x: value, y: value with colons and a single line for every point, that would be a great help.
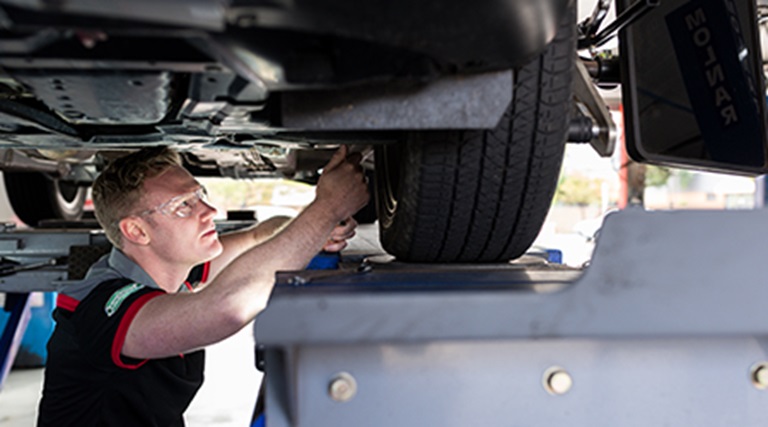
x: 665, y: 327
x: 38, y: 260
x: 49, y: 259
x: 592, y: 105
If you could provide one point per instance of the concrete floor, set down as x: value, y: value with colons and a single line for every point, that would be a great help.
x: 19, y: 396
x: 225, y: 400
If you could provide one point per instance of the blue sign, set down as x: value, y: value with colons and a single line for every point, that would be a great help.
x: 715, y: 64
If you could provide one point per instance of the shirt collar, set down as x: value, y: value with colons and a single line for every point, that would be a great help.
x: 118, y: 262
x: 111, y: 266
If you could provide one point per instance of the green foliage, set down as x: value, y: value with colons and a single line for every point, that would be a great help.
x: 656, y: 176
x: 578, y: 190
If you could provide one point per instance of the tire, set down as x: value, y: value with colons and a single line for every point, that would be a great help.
x: 481, y: 195
x: 35, y: 197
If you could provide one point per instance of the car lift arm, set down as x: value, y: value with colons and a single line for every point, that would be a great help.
x: 663, y: 328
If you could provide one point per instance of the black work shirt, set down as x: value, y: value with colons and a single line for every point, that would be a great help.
x: 87, y: 380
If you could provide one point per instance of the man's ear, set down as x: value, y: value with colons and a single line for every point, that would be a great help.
x: 133, y: 230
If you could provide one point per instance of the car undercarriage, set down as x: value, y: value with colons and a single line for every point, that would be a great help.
x: 464, y: 130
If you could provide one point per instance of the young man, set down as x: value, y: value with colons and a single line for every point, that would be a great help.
x: 127, y: 345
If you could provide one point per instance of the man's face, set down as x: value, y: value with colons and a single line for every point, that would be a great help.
x: 187, y: 240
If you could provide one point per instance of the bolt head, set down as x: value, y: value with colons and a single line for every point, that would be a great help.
x: 760, y: 375
x: 557, y: 381
x: 343, y: 387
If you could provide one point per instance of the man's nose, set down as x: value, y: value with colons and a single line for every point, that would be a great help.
x: 207, y: 208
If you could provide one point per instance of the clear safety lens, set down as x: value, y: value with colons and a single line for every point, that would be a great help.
x: 181, y: 206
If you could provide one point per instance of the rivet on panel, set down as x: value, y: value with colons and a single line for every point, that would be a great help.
x: 759, y: 374
x: 557, y: 381
x: 342, y: 387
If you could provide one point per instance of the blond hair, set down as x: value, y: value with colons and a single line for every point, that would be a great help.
x: 119, y: 188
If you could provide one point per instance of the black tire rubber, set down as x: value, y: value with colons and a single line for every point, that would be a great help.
x: 35, y: 196
x: 481, y: 195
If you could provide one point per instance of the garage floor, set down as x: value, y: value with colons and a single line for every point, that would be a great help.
x: 225, y: 400
x: 18, y: 397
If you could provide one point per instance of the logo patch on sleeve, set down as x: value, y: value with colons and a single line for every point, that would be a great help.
x: 117, y: 298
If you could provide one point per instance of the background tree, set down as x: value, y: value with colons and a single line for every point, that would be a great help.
x: 578, y: 190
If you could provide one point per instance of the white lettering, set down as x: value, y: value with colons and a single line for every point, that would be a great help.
x: 713, y: 69
x: 729, y: 114
x: 715, y: 75
x: 701, y: 37
x: 721, y: 95
x: 696, y: 19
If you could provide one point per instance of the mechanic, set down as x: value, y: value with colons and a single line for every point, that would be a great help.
x: 127, y: 348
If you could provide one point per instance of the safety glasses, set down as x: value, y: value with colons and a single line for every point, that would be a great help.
x: 180, y: 206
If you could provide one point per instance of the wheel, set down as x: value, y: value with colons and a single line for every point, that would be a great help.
x: 481, y: 195
x: 34, y: 197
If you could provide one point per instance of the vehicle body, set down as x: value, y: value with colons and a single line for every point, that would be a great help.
x: 466, y: 106
x: 263, y: 88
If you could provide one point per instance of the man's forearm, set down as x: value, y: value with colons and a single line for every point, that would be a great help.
x: 238, y: 242
x: 266, y: 229
x: 246, y: 283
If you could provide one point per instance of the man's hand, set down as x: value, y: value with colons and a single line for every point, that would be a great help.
x: 342, y: 188
x: 340, y: 234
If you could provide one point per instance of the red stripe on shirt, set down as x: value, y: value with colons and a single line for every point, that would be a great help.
x: 66, y: 302
x: 206, y: 270
x: 122, y: 330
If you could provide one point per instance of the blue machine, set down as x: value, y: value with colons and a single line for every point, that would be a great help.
x: 32, y: 351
